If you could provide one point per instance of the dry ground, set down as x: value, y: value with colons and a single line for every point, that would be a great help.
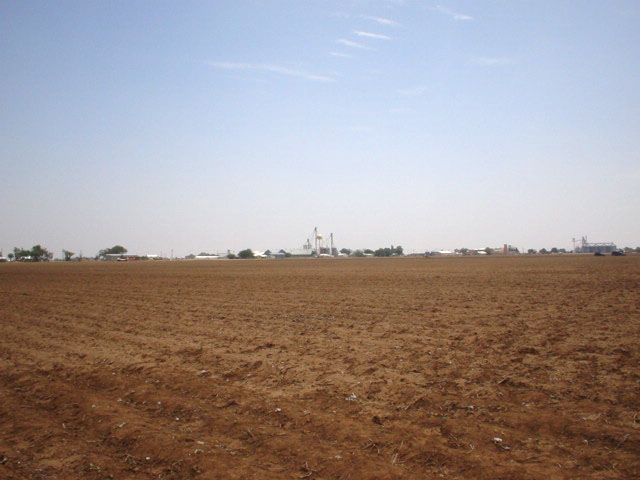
x: 321, y: 369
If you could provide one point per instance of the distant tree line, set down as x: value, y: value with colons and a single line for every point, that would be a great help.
x: 36, y: 254
x: 544, y: 251
x: 388, y: 252
x: 40, y: 254
x: 380, y: 252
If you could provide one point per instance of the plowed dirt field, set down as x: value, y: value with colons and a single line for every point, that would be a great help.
x: 462, y: 368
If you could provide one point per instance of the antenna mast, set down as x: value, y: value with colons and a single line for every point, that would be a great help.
x: 315, y: 237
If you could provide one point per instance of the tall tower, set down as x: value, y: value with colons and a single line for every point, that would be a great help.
x: 318, y: 239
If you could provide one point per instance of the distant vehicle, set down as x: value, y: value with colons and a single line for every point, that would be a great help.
x: 618, y: 253
x: 598, y: 254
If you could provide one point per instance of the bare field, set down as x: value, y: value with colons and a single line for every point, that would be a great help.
x: 321, y: 369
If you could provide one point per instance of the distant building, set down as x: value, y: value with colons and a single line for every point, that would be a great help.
x: 586, y: 247
x: 507, y: 250
x: 114, y: 257
x: 305, y: 251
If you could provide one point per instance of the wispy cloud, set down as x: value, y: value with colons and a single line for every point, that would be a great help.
x: 371, y: 35
x: 340, y: 54
x: 352, y: 44
x: 413, y: 91
x: 491, y: 61
x: 270, y: 68
x: 381, y: 21
x: 452, y: 14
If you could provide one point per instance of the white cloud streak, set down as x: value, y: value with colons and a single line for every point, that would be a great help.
x: 270, y: 68
x: 340, y: 54
x: 452, y: 14
x: 381, y: 21
x: 371, y: 35
x: 352, y: 44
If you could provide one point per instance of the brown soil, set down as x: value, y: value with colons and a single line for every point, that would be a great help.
x: 321, y: 369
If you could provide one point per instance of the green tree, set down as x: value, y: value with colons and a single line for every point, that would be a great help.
x: 554, y: 250
x: 544, y: 251
x: 67, y: 255
x: 231, y: 256
x: 10, y: 256
x: 36, y: 254
x: 21, y: 254
x: 368, y: 251
x: 489, y: 251
x: 115, y: 250
x: 40, y: 254
x: 358, y: 253
x: 346, y: 251
x: 246, y: 253
x: 532, y: 251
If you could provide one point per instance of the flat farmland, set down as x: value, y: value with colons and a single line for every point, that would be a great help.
x: 457, y: 368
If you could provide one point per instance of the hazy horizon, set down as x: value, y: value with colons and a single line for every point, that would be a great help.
x: 198, y: 126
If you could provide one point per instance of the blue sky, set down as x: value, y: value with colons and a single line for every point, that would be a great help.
x: 223, y: 125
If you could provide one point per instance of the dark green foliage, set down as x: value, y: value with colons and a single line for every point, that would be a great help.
x: 36, y: 254
x: 388, y: 252
x: 117, y: 249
